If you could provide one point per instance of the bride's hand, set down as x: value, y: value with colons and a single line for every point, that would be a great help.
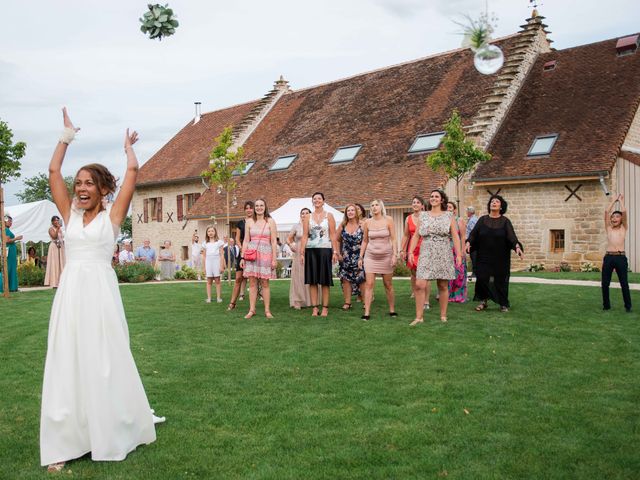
x: 67, y: 121
x: 130, y: 139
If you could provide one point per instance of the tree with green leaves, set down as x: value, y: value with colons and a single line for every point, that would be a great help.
x: 224, y: 165
x: 458, y: 156
x: 10, y: 155
x: 37, y: 188
x: 126, y: 227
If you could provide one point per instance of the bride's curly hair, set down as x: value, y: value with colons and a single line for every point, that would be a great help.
x: 101, y: 176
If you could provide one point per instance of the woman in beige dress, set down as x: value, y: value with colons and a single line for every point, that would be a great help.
x: 298, y: 291
x: 55, y: 256
x: 378, y: 256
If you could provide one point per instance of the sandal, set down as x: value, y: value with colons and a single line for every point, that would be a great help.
x: 314, y: 312
x: 325, y: 311
x: 346, y: 306
x: 55, y: 467
x: 231, y: 306
x: 443, y: 319
x: 481, y: 307
x: 365, y: 317
x: 250, y: 314
x: 393, y: 314
x: 416, y: 322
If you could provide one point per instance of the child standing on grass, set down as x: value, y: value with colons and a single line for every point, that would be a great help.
x: 213, y: 261
x: 92, y: 396
x: 615, y: 223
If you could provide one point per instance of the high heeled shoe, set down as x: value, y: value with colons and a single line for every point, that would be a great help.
x: 250, y: 314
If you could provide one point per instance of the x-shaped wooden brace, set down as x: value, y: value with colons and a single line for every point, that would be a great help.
x: 573, y: 192
x: 140, y: 220
x: 169, y: 217
x: 492, y: 194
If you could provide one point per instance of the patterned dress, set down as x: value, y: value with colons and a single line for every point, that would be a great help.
x: 349, y: 271
x: 436, y: 258
x: 260, y: 239
x: 458, y: 286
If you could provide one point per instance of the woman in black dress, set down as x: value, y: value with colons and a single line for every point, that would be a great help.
x: 492, y: 239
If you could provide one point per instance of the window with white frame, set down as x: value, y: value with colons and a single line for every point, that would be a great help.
x: 426, y: 142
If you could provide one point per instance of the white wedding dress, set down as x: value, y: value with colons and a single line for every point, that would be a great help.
x: 92, y: 396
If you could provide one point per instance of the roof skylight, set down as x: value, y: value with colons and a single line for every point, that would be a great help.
x: 426, y: 142
x: 247, y: 167
x: 346, y: 154
x: 282, y: 163
x: 542, y: 145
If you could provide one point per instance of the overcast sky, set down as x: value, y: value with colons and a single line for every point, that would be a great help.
x: 92, y: 57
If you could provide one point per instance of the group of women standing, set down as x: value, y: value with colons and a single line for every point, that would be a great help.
x: 433, y: 247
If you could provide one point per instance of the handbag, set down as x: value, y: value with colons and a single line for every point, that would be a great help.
x: 251, y: 254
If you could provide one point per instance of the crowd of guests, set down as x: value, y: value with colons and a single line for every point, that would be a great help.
x: 434, y: 246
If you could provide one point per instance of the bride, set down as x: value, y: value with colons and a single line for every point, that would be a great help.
x: 92, y: 396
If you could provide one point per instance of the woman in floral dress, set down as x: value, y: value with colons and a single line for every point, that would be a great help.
x: 458, y: 286
x: 438, y: 228
x: 350, y: 235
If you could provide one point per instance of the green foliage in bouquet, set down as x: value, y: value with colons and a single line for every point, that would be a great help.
x: 477, y: 33
x: 158, y: 22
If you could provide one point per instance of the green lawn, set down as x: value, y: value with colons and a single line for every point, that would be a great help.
x: 549, y: 390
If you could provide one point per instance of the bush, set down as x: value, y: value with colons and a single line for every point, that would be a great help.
x: 187, y: 273
x: 588, y: 267
x: 563, y: 267
x: 536, y: 267
x: 135, y: 272
x: 401, y: 269
x: 30, y: 276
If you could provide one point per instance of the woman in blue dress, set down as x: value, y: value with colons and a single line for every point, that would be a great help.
x: 350, y: 235
x: 12, y: 256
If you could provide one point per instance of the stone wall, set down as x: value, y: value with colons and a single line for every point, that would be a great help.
x: 170, y: 228
x: 535, y: 209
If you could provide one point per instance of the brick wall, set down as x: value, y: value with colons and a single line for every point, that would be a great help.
x: 535, y: 209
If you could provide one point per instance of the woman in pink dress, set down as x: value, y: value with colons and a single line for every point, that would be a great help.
x: 259, y: 237
x: 379, y: 252
x: 55, y: 256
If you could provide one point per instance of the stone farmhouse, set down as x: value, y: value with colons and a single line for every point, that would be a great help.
x: 562, y: 126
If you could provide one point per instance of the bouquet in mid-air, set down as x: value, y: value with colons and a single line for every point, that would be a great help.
x: 158, y: 22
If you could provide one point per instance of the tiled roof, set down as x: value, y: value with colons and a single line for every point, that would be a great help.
x: 383, y: 110
x: 588, y: 99
x: 186, y: 155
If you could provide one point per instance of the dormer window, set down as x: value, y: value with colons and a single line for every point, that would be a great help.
x: 426, y: 142
x: 247, y: 167
x: 282, y: 163
x: 550, y: 65
x: 627, y: 45
x: 345, y: 154
x: 542, y: 145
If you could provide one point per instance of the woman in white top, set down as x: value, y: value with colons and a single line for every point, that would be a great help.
x: 196, y: 252
x: 213, y: 261
x: 318, y: 251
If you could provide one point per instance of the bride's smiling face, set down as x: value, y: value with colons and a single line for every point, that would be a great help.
x: 86, y: 191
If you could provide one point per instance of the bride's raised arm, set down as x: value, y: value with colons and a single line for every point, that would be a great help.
x: 122, y: 201
x: 58, y: 187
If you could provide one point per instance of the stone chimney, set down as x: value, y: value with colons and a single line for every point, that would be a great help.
x: 250, y: 122
x: 532, y: 40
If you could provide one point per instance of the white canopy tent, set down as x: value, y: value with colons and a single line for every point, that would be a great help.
x: 289, y: 214
x: 32, y: 220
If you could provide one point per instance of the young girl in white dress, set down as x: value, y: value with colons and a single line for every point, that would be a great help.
x: 92, y: 396
x: 213, y: 261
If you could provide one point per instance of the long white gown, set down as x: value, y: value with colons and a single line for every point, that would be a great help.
x: 92, y: 396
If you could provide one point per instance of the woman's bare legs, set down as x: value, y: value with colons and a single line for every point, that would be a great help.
x: 266, y: 296
x: 253, y: 296
x: 443, y: 292
x: 387, y: 280
x: 420, y: 295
